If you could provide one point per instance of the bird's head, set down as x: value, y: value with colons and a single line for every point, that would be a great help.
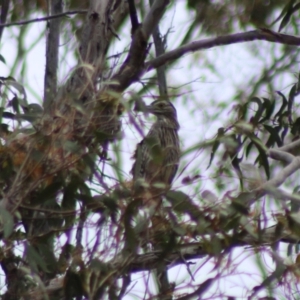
x: 162, y: 108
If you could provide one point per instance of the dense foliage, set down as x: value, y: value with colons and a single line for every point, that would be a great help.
x: 69, y: 225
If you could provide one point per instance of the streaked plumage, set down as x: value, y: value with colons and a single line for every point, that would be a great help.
x: 157, y: 155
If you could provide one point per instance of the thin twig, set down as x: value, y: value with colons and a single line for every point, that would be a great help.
x: 26, y: 22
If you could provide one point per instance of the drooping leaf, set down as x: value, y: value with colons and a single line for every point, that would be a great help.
x: 294, y: 205
x: 248, y: 148
x: 15, y: 104
x: 182, y: 203
x: 276, y: 275
x: 295, y: 130
x: 269, y: 107
x: 262, y: 157
x: 7, y: 222
x: 274, y: 136
x: 240, y: 207
x: 69, y: 199
x: 2, y: 59
x: 130, y: 237
x: 292, y: 95
x: 73, y: 285
x: 35, y: 260
x: 283, y: 105
x: 9, y: 81
x: 216, y: 145
x: 293, y: 222
x: 260, y: 110
x: 289, y: 12
x: 284, y: 11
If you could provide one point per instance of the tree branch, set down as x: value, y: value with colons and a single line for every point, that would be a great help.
x: 259, y: 34
x: 150, y: 261
x: 52, y: 51
x: 3, y: 15
x: 161, y: 273
x: 43, y: 19
x: 133, y: 16
x: 152, y: 19
x: 160, y: 50
x: 133, y: 66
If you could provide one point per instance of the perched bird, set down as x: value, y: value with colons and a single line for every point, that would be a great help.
x: 157, y: 155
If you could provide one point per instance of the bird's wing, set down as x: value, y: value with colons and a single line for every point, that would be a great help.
x: 170, y: 164
x: 144, y: 155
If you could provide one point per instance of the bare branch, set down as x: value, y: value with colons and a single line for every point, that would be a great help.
x: 133, y: 16
x: 43, y: 19
x: 133, y: 66
x: 281, y: 176
x: 281, y: 155
x: 289, y: 147
x: 52, y: 47
x: 279, y: 194
x: 150, y: 261
x: 93, y: 47
x: 3, y: 14
x: 259, y: 34
x: 161, y: 273
x: 153, y: 17
x: 160, y: 50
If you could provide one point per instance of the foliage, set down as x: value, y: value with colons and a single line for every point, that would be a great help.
x: 70, y: 224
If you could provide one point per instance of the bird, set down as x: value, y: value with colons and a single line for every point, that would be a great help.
x: 157, y: 155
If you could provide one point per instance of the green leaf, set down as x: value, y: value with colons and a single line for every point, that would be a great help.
x: 69, y: 199
x: 295, y: 130
x: 295, y: 206
x: 7, y: 222
x: 15, y: 104
x: 283, y: 105
x: 274, y: 136
x: 216, y: 145
x: 285, y: 9
x: 2, y: 59
x: 290, y: 10
x: 292, y: 95
x: 72, y: 147
x: 131, y: 240
x: 182, y: 203
x: 48, y: 257
x: 73, y: 285
x: 240, y: 207
x: 248, y: 148
x: 269, y: 108
x: 262, y: 157
x: 294, y: 223
x: 276, y: 275
x: 19, y: 87
x: 259, y: 111
x: 47, y: 193
x: 34, y: 259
